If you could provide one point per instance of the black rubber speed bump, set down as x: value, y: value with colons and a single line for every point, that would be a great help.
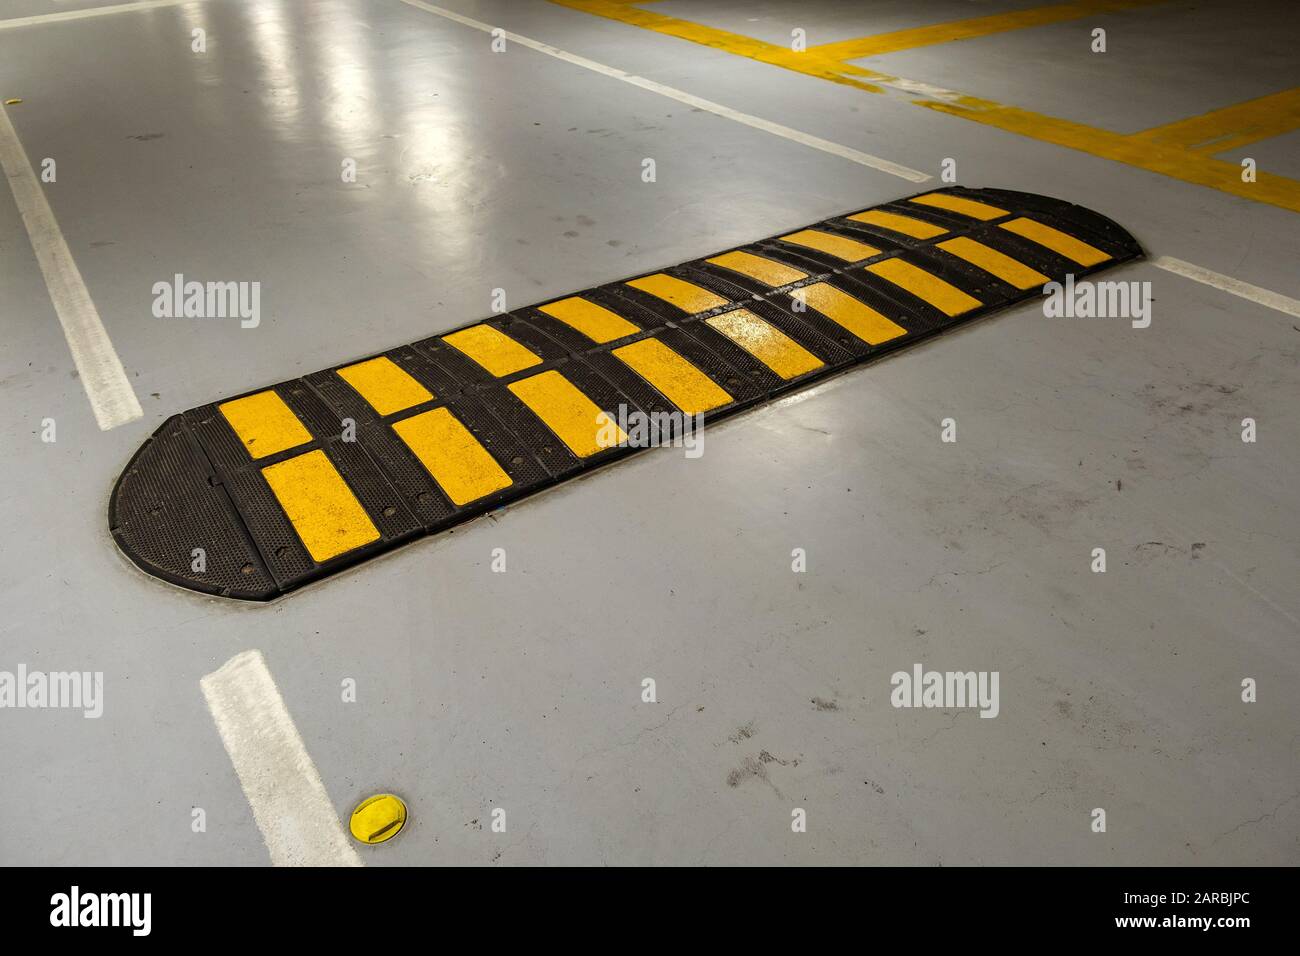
x: 261, y: 493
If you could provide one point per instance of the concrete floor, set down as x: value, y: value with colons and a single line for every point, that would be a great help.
x: 523, y: 690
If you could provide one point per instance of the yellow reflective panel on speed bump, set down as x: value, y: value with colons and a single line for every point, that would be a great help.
x: 687, y: 296
x: 494, y: 350
x: 278, y: 493
x: 846, y: 311
x: 994, y: 263
x: 944, y: 296
x: 384, y: 385
x: 848, y: 250
x: 594, y: 321
x: 264, y: 423
x: 965, y: 207
x: 1062, y: 244
x: 461, y: 466
x: 680, y: 382
x: 766, y: 271
x: 904, y: 225
x: 574, y: 418
x: 782, y: 354
x: 319, y: 504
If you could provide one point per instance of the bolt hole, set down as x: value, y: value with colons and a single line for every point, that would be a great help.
x: 246, y: 569
x: 389, y: 511
x: 517, y: 460
x: 279, y: 553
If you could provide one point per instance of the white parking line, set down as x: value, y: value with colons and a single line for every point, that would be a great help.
x: 32, y: 21
x: 289, y: 802
x: 1244, y: 290
x: 776, y: 129
x: 112, y: 398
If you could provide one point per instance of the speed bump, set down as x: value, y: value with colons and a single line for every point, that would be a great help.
x: 258, y: 494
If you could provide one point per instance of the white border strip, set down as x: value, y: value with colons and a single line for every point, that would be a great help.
x: 1244, y: 290
x: 776, y: 129
x: 289, y: 802
x: 88, y: 12
x: 112, y: 398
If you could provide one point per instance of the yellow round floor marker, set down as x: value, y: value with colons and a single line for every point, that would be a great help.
x: 378, y: 818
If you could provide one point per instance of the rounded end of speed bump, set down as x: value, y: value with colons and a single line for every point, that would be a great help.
x: 378, y: 819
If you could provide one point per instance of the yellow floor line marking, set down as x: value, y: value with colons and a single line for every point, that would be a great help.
x: 1185, y: 165
x: 494, y: 350
x: 849, y: 250
x: 1059, y: 242
x: 905, y: 225
x: 695, y: 102
x: 574, y: 418
x: 320, y: 505
x: 782, y: 354
x: 964, y: 207
x: 844, y: 310
x: 1233, y: 126
x: 264, y: 423
x: 594, y: 321
x: 766, y: 271
x: 1177, y: 163
x: 684, y: 295
x: 944, y: 296
x: 994, y: 263
x: 384, y: 385
x: 809, y: 61
x: 681, y: 382
x: 462, y: 467
x: 967, y: 29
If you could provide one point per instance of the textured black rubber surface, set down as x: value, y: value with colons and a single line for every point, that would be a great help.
x: 194, y: 509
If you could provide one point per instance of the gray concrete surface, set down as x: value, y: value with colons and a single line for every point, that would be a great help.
x: 522, y: 690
